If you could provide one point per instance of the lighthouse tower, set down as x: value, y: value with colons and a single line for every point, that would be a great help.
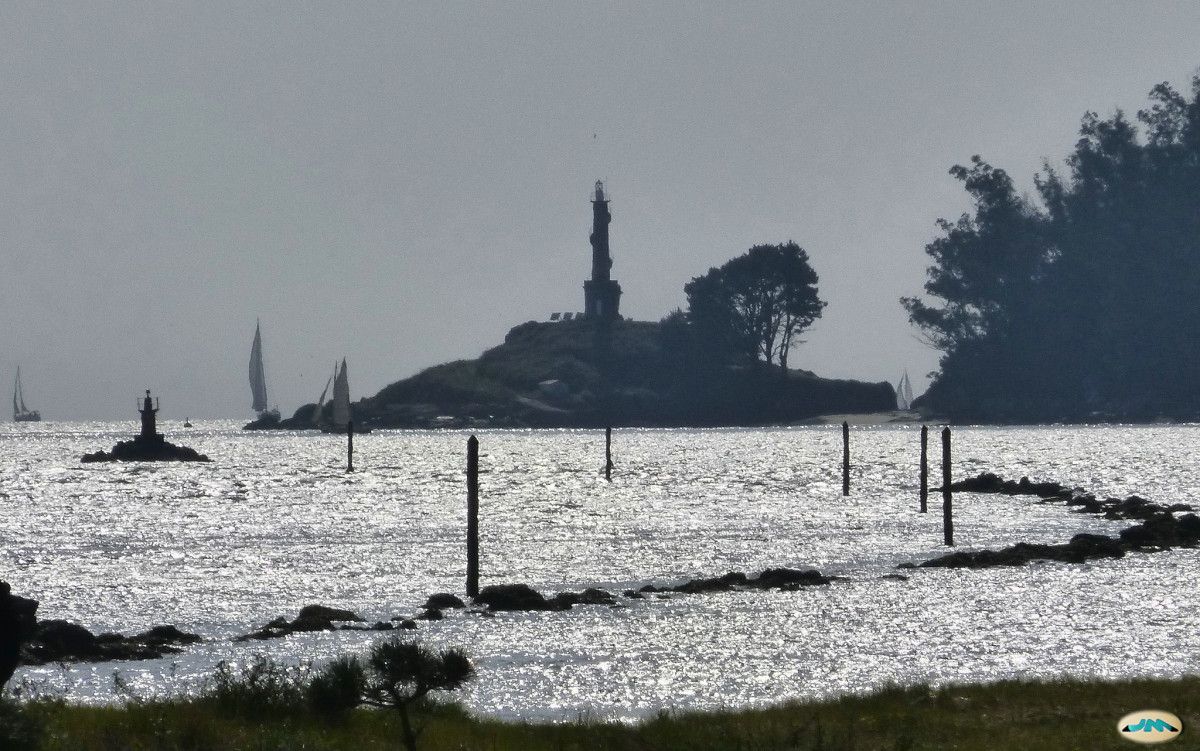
x: 601, y: 293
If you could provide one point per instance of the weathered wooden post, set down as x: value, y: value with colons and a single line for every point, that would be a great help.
x: 350, y: 446
x: 947, y: 504
x: 845, y: 458
x: 472, y: 516
x: 608, y: 465
x: 924, y: 469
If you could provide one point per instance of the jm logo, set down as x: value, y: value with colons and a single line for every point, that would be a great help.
x: 1150, y: 726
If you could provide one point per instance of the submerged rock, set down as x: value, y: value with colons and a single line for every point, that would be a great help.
x: 62, y: 641
x: 519, y: 597
x: 310, y: 618
x: 444, y: 601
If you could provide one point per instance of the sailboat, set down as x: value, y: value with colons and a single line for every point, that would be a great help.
x: 341, y: 405
x: 317, y: 417
x: 20, y: 412
x: 258, y: 380
x: 904, y: 394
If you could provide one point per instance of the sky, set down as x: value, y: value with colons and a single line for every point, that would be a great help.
x: 401, y: 184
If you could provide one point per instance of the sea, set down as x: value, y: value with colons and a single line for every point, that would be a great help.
x: 275, y: 523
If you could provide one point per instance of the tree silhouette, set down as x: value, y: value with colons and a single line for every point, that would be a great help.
x: 398, y: 675
x: 755, y: 305
x: 1079, y: 303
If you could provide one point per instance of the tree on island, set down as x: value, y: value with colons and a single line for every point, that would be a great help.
x: 754, y: 306
x: 1081, y: 302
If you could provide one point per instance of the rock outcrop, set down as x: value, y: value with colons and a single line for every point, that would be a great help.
x: 62, y: 641
x: 18, y: 620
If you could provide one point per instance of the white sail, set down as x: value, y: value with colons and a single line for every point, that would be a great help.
x: 341, y: 398
x: 904, y: 395
x: 21, y: 413
x: 321, y: 401
x: 258, y: 378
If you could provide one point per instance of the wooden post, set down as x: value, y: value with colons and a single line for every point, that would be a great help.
x: 924, y: 469
x: 350, y: 446
x: 472, y: 516
x: 608, y: 465
x: 845, y: 458
x: 947, y: 505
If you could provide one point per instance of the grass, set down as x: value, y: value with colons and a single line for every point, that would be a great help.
x: 1068, y: 714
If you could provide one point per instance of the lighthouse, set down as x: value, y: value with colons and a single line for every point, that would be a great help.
x: 601, y: 293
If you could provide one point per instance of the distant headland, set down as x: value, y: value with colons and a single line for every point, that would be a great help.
x: 723, y: 362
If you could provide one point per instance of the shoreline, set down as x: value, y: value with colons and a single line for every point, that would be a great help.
x: 1030, y: 715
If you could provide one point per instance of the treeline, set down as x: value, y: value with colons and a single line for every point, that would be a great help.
x: 1081, y: 302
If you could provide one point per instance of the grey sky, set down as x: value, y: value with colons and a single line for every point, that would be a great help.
x: 402, y: 184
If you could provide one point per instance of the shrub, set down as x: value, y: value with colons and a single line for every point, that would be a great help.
x: 398, y: 674
x: 261, y: 687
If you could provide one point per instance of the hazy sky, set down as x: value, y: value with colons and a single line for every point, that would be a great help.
x: 401, y: 184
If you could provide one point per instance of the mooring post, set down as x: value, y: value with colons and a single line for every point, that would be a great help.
x: 350, y: 446
x: 608, y: 453
x: 845, y: 458
x: 947, y: 506
x: 924, y: 469
x: 472, y: 516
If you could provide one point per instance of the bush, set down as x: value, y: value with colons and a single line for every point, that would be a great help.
x: 19, y: 727
x: 259, y: 688
x: 399, y: 674
x: 338, y: 688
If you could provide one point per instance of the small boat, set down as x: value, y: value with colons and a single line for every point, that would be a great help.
x: 341, y: 405
x: 258, y: 380
x: 904, y: 394
x: 20, y: 412
x: 187, y: 422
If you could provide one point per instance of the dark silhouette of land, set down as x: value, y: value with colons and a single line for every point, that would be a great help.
x: 147, y: 446
x: 1079, y: 304
x: 552, y: 374
x: 722, y: 362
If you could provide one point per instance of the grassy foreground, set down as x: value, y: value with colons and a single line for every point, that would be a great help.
x: 1008, y: 715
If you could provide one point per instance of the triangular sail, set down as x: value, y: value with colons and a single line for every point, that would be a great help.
x: 324, y: 391
x: 341, y: 398
x: 16, y: 391
x: 904, y: 395
x: 258, y: 379
x: 20, y: 392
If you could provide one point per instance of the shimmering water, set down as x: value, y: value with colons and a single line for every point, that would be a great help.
x: 274, y: 523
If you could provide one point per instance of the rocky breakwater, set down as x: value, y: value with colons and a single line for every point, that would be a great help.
x: 1159, y: 527
x: 62, y: 641
x: 314, y: 618
x: 521, y: 597
x: 25, y: 640
x: 147, y: 446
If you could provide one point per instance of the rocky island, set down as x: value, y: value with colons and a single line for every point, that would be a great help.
x: 147, y: 446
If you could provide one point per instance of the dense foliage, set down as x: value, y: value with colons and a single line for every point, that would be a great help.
x: 1079, y: 303
x: 754, y: 306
